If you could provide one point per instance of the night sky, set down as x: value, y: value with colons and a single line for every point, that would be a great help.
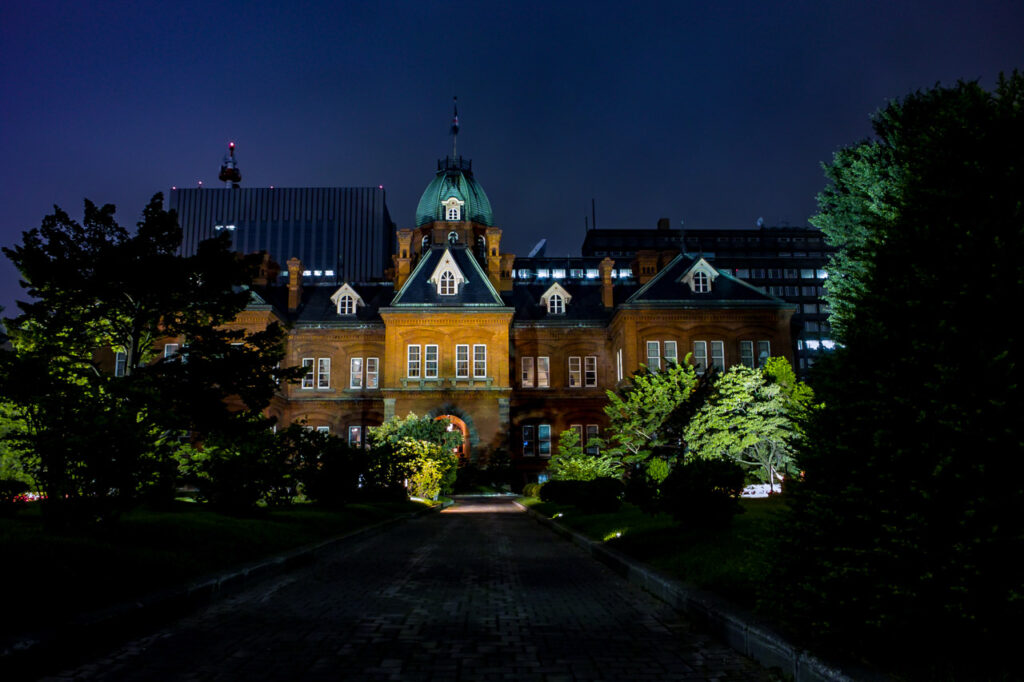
x: 715, y: 114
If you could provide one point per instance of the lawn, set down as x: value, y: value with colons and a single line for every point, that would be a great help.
x: 731, y: 562
x: 48, y: 576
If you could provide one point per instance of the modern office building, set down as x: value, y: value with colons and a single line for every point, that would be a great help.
x: 786, y: 262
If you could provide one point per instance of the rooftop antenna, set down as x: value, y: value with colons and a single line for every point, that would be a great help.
x: 593, y: 213
x: 760, y: 222
x: 229, y: 173
x: 455, y: 126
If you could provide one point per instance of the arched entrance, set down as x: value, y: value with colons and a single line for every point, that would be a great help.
x: 455, y: 423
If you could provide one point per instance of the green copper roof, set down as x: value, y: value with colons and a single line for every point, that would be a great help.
x: 454, y: 179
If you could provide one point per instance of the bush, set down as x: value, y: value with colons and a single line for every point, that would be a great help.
x: 703, y: 492
x: 531, y: 490
x: 329, y: 469
x: 596, y: 496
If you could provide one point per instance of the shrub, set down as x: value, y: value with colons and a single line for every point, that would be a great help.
x: 531, y: 490
x: 703, y: 492
x: 598, y: 495
x: 329, y: 469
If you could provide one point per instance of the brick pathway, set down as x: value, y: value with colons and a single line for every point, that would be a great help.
x: 479, y: 592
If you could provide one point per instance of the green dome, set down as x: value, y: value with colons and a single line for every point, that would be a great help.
x: 454, y: 179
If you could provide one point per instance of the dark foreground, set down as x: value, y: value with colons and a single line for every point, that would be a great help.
x: 478, y: 592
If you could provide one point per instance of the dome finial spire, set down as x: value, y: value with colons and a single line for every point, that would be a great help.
x: 455, y: 126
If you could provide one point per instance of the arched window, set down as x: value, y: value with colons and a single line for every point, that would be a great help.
x: 556, y: 304
x: 346, y: 306
x: 701, y: 283
x: 453, y: 212
x: 424, y: 243
x: 453, y: 237
x: 446, y: 285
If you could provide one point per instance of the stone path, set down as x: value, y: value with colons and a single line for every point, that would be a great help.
x: 478, y: 592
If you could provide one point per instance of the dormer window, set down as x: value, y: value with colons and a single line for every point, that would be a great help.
x: 556, y: 305
x: 701, y: 283
x: 446, y: 284
x: 453, y: 209
x: 346, y: 300
x: 555, y: 299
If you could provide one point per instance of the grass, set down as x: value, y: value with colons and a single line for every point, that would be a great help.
x: 731, y: 562
x: 47, y: 576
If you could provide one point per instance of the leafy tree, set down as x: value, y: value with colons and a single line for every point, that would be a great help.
x: 102, y: 441
x: 910, y: 506
x: 571, y: 463
x: 416, y: 449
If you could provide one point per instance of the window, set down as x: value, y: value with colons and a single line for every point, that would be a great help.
x: 323, y: 429
x: 543, y: 372
x: 412, y: 367
x: 346, y: 305
x: 742, y: 273
x: 700, y: 356
x: 446, y: 285
x: 701, y: 283
x: 524, y: 273
x: 529, y: 444
x: 671, y: 353
x: 718, y: 355
x: 575, y: 372
x: 653, y: 356
x: 821, y: 274
x: 462, y: 361
x: 790, y: 273
x: 618, y: 365
x: 526, y: 373
x: 355, y: 436
x: 542, y: 272
x: 307, y: 378
x: 558, y: 273
x: 371, y: 373
x: 544, y: 440
x: 453, y: 213
x: 355, y: 373
x: 747, y: 353
x: 592, y: 273
x: 120, y: 363
x: 453, y: 237
x: 479, y: 361
x: 430, y: 361
x: 556, y: 304
x: 806, y: 273
x: 170, y: 349
x: 590, y: 371
x: 576, y: 273
x: 591, y: 437
x: 764, y: 351
x: 323, y: 373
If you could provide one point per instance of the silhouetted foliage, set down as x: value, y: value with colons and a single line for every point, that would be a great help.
x: 703, y: 492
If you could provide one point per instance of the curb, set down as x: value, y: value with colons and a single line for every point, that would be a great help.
x: 28, y: 653
x: 739, y: 629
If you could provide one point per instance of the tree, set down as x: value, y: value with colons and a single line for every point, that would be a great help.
x: 750, y: 420
x: 911, y: 500
x: 100, y: 440
x: 418, y: 449
x: 571, y: 463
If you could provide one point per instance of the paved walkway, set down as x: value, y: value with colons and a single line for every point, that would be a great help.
x: 478, y: 592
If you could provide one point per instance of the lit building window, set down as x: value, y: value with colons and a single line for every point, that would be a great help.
x: 576, y: 274
x: 430, y: 357
x: 556, y: 304
x: 372, y: 373
x: 747, y: 353
x: 323, y: 373
x: 653, y: 356
x: 355, y: 436
x: 323, y: 429
x: 558, y: 273
x: 446, y: 285
x: 764, y: 351
x: 543, y: 372
x: 120, y: 363
x: 542, y: 272
x: 412, y: 367
x: 592, y: 273
x: 462, y: 361
x: 701, y: 283
x: 170, y: 350
x: 479, y: 361
x: 700, y: 356
x: 618, y: 365
x: 671, y: 353
x: 308, y: 379
x: 355, y: 374
x: 544, y: 440
x: 346, y: 306
x: 453, y: 237
x: 575, y: 372
x: 526, y: 372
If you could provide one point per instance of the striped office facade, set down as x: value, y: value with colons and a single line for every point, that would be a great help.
x: 339, y: 233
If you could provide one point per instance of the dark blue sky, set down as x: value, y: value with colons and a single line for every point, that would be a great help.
x: 716, y: 113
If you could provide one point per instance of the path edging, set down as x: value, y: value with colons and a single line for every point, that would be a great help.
x: 738, y: 628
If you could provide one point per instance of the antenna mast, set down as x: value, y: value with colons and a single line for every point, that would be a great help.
x: 455, y: 127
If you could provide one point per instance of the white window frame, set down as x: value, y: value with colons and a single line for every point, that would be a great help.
x: 355, y: 373
x: 618, y: 365
x: 764, y: 351
x: 357, y: 442
x: 700, y: 356
x: 747, y: 354
x: 372, y: 373
x: 543, y: 372
x: 556, y: 304
x: 544, y: 440
x: 575, y: 371
x: 479, y: 361
x: 452, y: 213
x: 346, y: 305
x: 309, y: 378
x: 701, y: 283
x: 323, y: 373
x: 323, y: 429
x: 462, y: 361
x: 654, y: 359
x: 412, y: 361
x: 120, y: 363
x: 170, y: 349
x: 431, y: 361
x: 446, y: 284
x: 526, y: 374
x: 718, y: 355
x: 671, y: 353
x: 590, y: 371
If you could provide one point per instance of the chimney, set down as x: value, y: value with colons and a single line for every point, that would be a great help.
x: 294, y: 284
x: 605, y: 268
x: 645, y: 265
x: 403, y: 259
x: 268, y: 271
x: 493, y: 242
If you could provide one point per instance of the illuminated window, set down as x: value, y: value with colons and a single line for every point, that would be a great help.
x: 462, y: 361
x: 542, y: 272
x: 671, y: 353
x: 526, y: 372
x: 590, y: 371
x: 412, y: 367
x: 430, y: 361
x: 558, y: 273
x: 120, y: 363
x: 556, y: 304
x: 701, y: 283
x: 529, y: 442
x: 355, y: 436
x: 764, y: 351
x: 618, y: 365
x: 576, y: 274
x: 355, y: 373
x: 323, y: 373
x: 170, y: 350
x: 372, y: 380
x: 346, y: 306
x: 575, y: 372
x: 453, y: 213
x: 544, y: 440
x: 479, y: 361
x: 323, y: 429
x: 446, y: 285
x: 543, y: 372
x: 308, y: 379
x: 653, y: 356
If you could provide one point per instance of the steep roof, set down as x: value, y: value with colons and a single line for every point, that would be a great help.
x: 317, y: 308
x: 476, y: 291
x: 669, y: 288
